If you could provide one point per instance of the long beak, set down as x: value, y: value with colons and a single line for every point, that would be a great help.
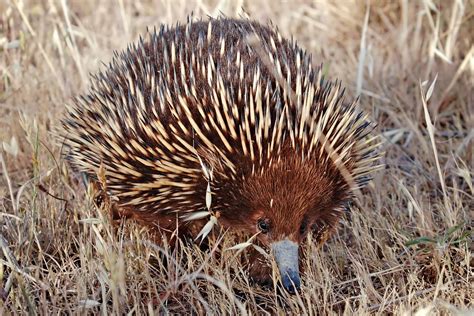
x: 286, y: 257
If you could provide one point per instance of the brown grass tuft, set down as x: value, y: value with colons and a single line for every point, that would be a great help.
x: 405, y: 247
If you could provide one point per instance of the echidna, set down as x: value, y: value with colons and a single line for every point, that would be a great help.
x: 227, y: 106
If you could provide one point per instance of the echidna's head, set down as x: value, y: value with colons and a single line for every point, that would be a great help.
x: 283, y: 201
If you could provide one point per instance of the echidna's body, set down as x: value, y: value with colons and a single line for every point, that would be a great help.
x: 230, y: 106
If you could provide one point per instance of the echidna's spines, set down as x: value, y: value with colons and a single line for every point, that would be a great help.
x: 162, y: 100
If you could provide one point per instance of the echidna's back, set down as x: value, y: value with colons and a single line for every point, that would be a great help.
x: 231, y: 91
x: 185, y: 61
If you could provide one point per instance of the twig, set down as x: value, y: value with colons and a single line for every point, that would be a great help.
x: 43, y: 189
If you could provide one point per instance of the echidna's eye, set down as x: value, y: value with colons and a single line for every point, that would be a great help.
x: 263, y: 225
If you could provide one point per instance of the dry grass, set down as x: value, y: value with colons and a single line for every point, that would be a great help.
x: 406, y: 246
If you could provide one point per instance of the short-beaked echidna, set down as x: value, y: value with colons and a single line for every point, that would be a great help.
x: 230, y: 107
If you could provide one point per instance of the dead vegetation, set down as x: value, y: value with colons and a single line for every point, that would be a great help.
x: 405, y: 247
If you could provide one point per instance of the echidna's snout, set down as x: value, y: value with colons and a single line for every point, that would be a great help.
x: 286, y: 256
